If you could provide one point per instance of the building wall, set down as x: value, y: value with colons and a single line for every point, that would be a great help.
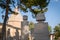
x: 13, y: 26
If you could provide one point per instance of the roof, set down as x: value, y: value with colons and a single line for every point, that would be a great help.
x: 17, y: 17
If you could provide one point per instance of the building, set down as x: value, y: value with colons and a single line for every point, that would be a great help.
x: 52, y: 36
x: 13, y: 26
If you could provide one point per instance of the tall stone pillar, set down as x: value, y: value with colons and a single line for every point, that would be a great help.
x: 25, y: 28
x: 41, y: 28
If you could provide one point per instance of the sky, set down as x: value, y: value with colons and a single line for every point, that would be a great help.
x: 52, y: 15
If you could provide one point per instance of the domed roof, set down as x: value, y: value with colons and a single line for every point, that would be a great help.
x: 15, y: 20
x: 17, y: 17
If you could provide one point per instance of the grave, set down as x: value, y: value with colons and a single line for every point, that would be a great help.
x: 25, y: 28
x: 41, y: 28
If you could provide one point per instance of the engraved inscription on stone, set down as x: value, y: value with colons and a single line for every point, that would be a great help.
x: 41, y: 31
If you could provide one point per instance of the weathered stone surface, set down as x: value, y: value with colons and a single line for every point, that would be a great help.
x: 40, y: 17
x: 25, y: 17
x: 14, y: 23
x: 41, y: 31
x: 25, y: 28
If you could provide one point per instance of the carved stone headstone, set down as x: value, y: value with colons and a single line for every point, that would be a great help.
x: 40, y: 17
x: 41, y: 28
x: 25, y: 28
x: 17, y: 35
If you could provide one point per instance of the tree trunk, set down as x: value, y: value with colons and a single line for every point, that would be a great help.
x: 5, y: 21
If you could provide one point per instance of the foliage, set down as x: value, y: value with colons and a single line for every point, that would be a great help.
x: 3, y: 5
x: 31, y: 25
x: 50, y: 29
x: 35, y: 6
x: 57, y: 31
x: 29, y: 3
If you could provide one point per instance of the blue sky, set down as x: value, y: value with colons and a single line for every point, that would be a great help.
x: 52, y: 15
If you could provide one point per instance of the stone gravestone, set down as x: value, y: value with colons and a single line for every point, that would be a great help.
x: 17, y: 35
x: 25, y: 28
x: 8, y: 35
x: 41, y: 28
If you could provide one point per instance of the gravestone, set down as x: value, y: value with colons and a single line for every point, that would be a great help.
x: 41, y: 28
x: 25, y: 28
x: 17, y: 35
x: 40, y: 17
x: 8, y: 33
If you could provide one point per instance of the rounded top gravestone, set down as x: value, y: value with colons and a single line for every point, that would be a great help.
x: 25, y: 17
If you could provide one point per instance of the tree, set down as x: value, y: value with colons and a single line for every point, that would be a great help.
x: 35, y: 6
x: 31, y: 27
x: 50, y: 29
x: 4, y: 4
x: 57, y: 31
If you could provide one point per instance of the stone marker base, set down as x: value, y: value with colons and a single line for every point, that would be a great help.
x: 41, y: 31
